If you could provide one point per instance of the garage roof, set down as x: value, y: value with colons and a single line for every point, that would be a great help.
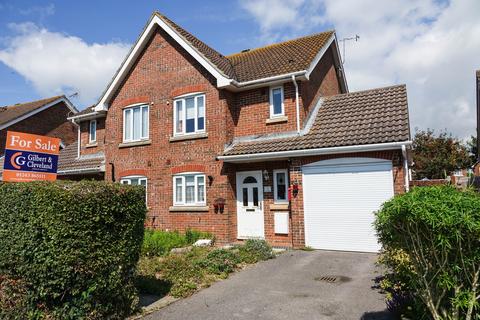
x: 359, y: 118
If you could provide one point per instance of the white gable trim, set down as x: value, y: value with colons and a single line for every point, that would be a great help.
x: 222, y: 80
x: 38, y: 110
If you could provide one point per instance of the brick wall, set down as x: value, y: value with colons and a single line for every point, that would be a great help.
x: 85, y: 146
x: 50, y: 122
x: 164, y: 70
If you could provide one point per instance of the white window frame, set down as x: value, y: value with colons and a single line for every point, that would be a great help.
x: 128, y: 180
x: 131, y: 108
x: 183, y: 176
x: 183, y: 98
x: 90, y: 132
x: 275, y: 186
x: 272, y: 115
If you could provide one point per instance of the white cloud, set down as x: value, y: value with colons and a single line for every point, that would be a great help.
x: 431, y: 46
x: 56, y: 63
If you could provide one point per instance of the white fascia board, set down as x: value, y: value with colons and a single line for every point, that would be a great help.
x: 252, y: 84
x: 87, y: 116
x: 82, y: 171
x: 34, y: 112
x: 222, y: 80
x: 338, y: 59
x: 313, y: 152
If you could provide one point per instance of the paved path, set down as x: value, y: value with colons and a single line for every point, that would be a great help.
x: 285, y: 288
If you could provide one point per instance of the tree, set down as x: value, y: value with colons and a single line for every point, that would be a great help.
x: 437, y: 156
x: 472, y: 147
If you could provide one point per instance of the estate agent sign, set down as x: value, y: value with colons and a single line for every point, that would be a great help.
x: 30, y: 157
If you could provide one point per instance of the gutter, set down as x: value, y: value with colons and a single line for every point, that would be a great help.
x: 313, y: 152
x: 91, y: 115
x: 79, y: 171
x: 297, y: 105
x: 268, y: 79
x: 405, y: 168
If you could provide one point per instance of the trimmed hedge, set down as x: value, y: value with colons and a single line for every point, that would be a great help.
x: 431, y: 240
x: 73, y: 245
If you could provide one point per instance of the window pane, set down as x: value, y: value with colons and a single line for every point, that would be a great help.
x: 255, y: 196
x: 128, y: 124
x: 281, y: 186
x: 277, y: 101
x: 136, y: 124
x: 200, y: 188
x: 134, y: 181
x: 201, y: 113
x: 245, y: 197
x: 189, y: 189
x: 178, y: 189
x: 190, y: 109
x: 125, y: 181
x: 250, y: 179
x: 93, y: 131
x: 143, y: 182
x: 179, y: 110
x: 145, y: 122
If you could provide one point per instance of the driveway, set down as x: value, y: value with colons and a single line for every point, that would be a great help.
x: 288, y: 287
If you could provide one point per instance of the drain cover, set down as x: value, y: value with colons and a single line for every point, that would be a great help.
x: 332, y: 279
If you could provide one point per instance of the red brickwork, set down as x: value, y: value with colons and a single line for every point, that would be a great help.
x: 85, y: 146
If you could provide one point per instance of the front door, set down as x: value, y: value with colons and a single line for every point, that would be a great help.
x: 250, y: 221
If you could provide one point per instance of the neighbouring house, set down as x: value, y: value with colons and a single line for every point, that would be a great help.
x: 46, y: 117
x: 85, y: 159
x: 265, y: 143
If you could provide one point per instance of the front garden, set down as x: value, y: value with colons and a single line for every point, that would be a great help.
x: 78, y: 250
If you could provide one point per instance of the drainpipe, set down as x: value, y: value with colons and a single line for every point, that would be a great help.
x: 405, y: 168
x: 297, y: 105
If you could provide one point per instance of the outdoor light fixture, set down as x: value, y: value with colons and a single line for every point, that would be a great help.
x: 265, y: 175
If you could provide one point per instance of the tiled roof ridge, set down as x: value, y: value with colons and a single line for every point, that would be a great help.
x: 276, y: 44
x: 352, y: 93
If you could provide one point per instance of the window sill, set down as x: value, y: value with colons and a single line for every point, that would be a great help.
x: 188, y: 209
x: 91, y: 145
x: 279, y: 206
x: 189, y: 137
x: 134, y: 143
x: 277, y: 120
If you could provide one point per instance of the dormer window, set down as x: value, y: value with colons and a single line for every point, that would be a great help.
x: 92, y: 131
x: 277, y: 107
x: 189, y: 114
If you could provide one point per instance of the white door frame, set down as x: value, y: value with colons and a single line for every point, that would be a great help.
x: 250, y: 218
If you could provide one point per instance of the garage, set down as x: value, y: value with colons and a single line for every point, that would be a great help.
x: 340, y: 198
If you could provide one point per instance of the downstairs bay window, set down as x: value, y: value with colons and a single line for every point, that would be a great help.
x: 189, y: 189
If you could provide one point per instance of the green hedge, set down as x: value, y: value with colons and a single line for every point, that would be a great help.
x: 431, y: 240
x: 74, y: 246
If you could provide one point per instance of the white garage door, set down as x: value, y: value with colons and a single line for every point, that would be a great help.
x: 340, y: 197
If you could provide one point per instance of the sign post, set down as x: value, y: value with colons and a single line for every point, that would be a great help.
x: 30, y: 157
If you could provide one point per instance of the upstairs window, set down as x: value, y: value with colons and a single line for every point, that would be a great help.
x: 189, y: 189
x: 280, y: 183
x: 92, y: 131
x: 135, y: 123
x: 189, y: 114
x: 277, y: 108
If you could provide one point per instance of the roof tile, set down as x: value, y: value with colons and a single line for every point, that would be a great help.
x: 365, y: 117
x: 9, y: 113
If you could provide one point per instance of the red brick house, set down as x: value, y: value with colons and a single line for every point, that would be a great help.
x: 266, y: 143
x: 46, y: 117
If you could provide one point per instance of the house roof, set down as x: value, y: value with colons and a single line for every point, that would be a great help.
x: 359, y: 118
x: 69, y: 162
x: 236, y: 70
x: 280, y: 58
x: 276, y: 59
x: 85, y: 111
x: 11, y: 113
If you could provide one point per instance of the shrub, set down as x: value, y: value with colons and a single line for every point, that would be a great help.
x: 74, y: 246
x: 255, y: 250
x: 220, y: 262
x: 438, y: 228
x: 191, y: 236
x: 13, y: 298
x: 158, y: 243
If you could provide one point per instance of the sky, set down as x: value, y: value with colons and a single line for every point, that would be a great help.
x: 74, y: 47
